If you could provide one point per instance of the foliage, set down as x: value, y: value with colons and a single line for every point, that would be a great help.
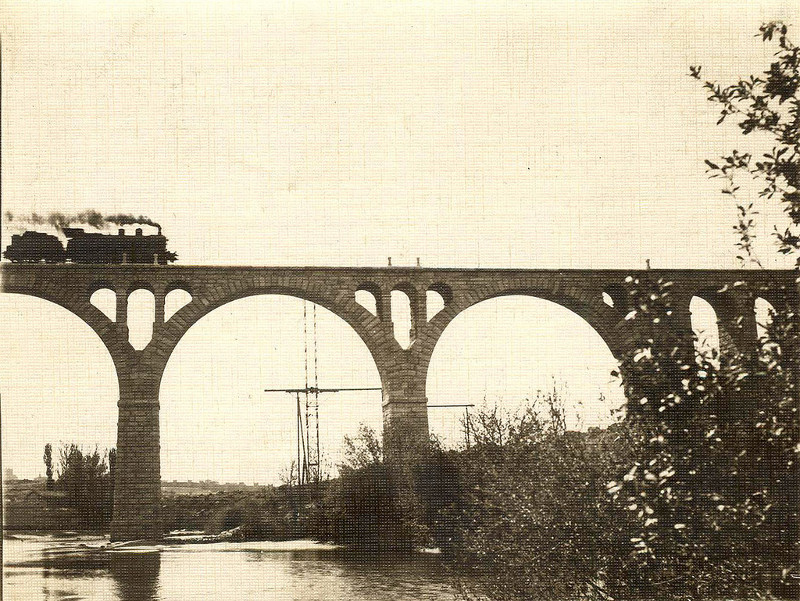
x: 768, y: 104
x: 269, y: 513
x: 84, y: 479
x: 713, y: 489
x: 48, y: 464
x: 363, y: 450
x: 362, y: 505
x: 363, y: 511
x: 495, y: 426
x: 530, y: 512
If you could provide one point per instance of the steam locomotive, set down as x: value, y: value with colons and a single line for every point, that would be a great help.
x: 89, y: 247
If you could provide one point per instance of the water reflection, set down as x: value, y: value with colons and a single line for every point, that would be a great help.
x: 136, y: 575
x: 229, y: 571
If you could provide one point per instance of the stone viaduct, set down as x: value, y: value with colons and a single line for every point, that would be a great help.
x: 402, y: 371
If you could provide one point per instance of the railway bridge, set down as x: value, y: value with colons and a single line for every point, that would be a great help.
x: 595, y: 295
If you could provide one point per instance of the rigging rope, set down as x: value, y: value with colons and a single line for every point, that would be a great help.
x: 316, y: 381
x: 310, y: 453
x: 318, y: 459
x: 305, y: 339
x: 305, y: 367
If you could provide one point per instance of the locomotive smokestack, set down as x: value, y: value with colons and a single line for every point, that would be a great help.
x: 121, y: 231
x: 138, y: 231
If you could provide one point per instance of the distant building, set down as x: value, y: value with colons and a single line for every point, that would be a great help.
x: 8, y: 475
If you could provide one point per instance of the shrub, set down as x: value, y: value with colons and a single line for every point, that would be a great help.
x: 532, y: 516
x: 85, y: 481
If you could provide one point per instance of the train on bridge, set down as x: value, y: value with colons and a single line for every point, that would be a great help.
x: 90, y: 247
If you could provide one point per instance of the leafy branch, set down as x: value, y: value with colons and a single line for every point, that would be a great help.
x: 768, y: 103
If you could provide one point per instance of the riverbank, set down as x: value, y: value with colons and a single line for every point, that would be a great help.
x: 266, y: 512
x: 528, y: 508
x: 64, y: 544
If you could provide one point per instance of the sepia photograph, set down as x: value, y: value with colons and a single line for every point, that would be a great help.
x: 392, y: 301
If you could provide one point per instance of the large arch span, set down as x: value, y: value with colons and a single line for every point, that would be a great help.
x: 403, y: 371
x: 509, y: 349
x: 216, y: 419
x: 58, y: 384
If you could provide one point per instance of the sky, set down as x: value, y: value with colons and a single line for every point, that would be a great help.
x: 536, y: 135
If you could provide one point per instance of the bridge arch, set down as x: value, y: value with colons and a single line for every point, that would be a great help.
x: 442, y: 290
x: 100, y: 284
x: 105, y: 299
x: 227, y: 358
x: 141, y: 304
x: 501, y: 339
x: 348, y: 310
x: 707, y: 329
x: 765, y: 312
x: 402, y: 372
x: 78, y: 302
x: 174, y: 301
x: 604, y: 320
x: 178, y: 284
x: 434, y: 302
x: 140, y: 284
x: 58, y: 382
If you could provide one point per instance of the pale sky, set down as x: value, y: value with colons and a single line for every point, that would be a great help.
x: 490, y: 134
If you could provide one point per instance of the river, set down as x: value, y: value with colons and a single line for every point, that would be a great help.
x: 47, y: 568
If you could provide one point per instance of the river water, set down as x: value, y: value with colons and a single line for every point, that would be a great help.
x: 42, y: 567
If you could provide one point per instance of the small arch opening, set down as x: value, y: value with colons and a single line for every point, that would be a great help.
x: 765, y: 313
x: 368, y: 295
x: 174, y: 301
x: 444, y: 291
x: 141, y: 314
x: 706, y: 329
x: 401, y: 318
x: 434, y: 302
x: 367, y: 299
x: 105, y: 299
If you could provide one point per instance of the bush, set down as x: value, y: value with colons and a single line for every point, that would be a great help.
x: 87, y: 485
x: 363, y: 511
x: 713, y: 490
x: 530, y: 513
x: 362, y: 506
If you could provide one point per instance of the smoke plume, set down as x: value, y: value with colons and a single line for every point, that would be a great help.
x: 122, y: 219
x: 92, y: 218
